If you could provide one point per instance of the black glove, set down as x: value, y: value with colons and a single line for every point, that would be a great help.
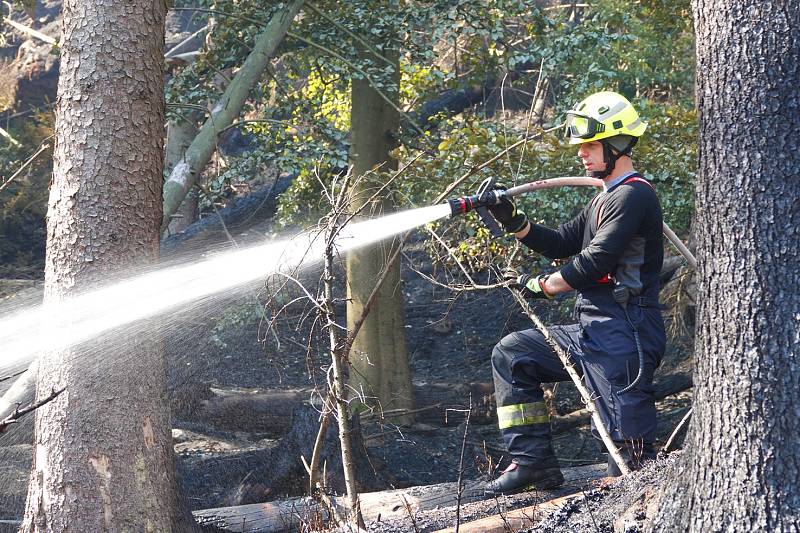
x: 505, y: 212
x: 529, y: 286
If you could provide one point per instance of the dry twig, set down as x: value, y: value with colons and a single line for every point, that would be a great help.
x: 42, y: 147
x: 14, y: 417
x: 676, y: 431
x: 461, y: 466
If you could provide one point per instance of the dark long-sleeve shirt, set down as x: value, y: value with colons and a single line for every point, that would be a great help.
x: 619, y: 234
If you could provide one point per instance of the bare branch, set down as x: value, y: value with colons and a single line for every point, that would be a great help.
x: 310, y: 297
x: 529, y: 116
x: 676, y: 431
x: 451, y: 254
x: 19, y: 413
x: 171, y: 52
x: 337, y: 391
x: 30, y: 31
x: 42, y: 147
x: 6, y: 378
x: 461, y: 466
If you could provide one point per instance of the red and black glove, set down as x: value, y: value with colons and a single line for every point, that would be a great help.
x: 505, y: 212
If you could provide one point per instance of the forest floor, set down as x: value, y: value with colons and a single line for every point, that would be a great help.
x: 225, y: 346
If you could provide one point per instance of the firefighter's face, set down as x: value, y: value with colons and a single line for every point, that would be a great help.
x: 591, y: 155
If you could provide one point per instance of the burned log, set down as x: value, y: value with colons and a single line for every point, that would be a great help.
x: 516, y: 520
x: 285, y: 515
x: 255, y: 207
x: 265, y: 412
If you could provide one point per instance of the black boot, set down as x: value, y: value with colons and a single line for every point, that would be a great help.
x: 518, y: 477
x: 635, y: 457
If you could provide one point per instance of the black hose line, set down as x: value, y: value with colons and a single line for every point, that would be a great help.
x: 638, y: 349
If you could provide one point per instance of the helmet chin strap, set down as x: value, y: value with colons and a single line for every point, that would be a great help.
x: 610, y: 157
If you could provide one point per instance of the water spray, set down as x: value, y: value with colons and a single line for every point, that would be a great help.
x: 39, y: 329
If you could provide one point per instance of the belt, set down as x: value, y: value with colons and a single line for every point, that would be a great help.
x: 644, y: 301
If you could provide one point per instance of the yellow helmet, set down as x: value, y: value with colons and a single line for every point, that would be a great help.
x: 603, y: 115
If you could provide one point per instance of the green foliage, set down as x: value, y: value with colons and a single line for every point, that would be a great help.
x: 667, y: 156
x: 643, y: 50
x: 299, y: 114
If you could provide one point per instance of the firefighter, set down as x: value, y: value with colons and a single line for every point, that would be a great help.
x: 616, y: 246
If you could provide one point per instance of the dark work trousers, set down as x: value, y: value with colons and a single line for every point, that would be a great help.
x: 604, y: 353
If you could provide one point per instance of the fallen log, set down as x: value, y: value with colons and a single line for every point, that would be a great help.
x: 210, y: 230
x: 267, y: 412
x: 279, y: 516
x: 230, y: 473
x: 516, y: 520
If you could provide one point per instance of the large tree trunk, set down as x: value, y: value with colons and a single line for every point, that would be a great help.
x: 103, y: 450
x: 741, y: 469
x: 378, y: 355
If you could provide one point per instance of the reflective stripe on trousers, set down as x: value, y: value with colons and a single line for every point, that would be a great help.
x: 522, y: 414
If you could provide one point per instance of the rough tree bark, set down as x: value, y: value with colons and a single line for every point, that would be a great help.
x: 741, y: 469
x: 378, y: 356
x: 103, y: 448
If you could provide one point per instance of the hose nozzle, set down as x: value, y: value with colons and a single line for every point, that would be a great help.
x: 465, y: 204
x: 485, y: 196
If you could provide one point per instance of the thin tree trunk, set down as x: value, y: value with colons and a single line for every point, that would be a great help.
x: 103, y: 448
x: 180, y: 133
x: 378, y: 355
x: 183, y: 176
x: 339, y: 392
x: 741, y: 471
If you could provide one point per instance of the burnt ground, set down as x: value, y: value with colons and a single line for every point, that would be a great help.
x: 226, y: 345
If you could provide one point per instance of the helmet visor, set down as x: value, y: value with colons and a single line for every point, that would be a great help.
x: 582, y: 127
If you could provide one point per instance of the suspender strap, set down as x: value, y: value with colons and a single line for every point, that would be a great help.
x: 638, y: 178
x: 634, y: 177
